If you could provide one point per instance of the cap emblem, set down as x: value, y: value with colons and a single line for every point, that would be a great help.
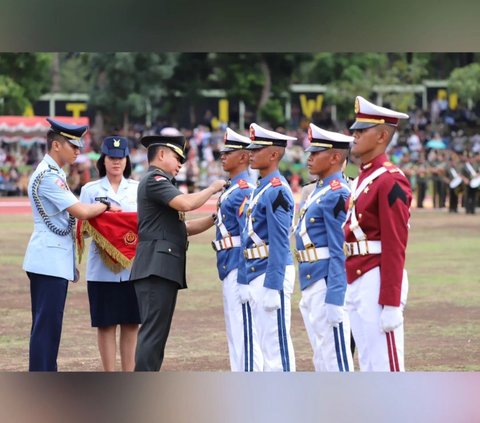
x: 116, y: 143
x: 252, y: 133
x: 310, y: 136
x: 357, y: 105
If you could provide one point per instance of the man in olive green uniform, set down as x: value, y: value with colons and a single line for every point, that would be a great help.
x: 159, y: 267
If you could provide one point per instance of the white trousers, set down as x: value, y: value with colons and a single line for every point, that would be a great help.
x: 273, y: 327
x: 377, y: 351
x: 243, y: 348
x: 331, y: 346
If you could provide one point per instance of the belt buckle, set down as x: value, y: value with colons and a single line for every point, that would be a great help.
x: 308, y: 248
x: 229, y: 237
x: 245, y: 254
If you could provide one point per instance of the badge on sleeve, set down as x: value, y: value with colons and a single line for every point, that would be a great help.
x: 335, y: 184
x: 242, y: 184
x: 61, y: 184
x: 276, y: 182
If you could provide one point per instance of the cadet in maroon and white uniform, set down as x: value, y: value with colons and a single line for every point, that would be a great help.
x: 376, y: 233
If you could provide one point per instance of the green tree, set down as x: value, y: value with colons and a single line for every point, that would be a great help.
x: 24, y: 77
x: 257, y: 79
x: 124, y: 85
x: 466, y: 82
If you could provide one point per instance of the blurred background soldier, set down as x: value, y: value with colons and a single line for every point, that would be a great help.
x: 471, y: 176
x: 455, y: 182
x: 421, y: 178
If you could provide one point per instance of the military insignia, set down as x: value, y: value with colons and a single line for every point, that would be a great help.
x: 280, y: 201
x: 310, y: 136
x: 242, y: 184
x: 181, y: 216
x: 116, y: 143
x: 242, y: 206
x: 390, y: 167
x: 397, y: 193
x: 159, y: 178
x: 61, y: 184
x: 276, y: 182
x: 339, y: 207
x: 252, y: 133
x: 357, y: 106
x: 335, y: 184
x: 130, y: 238
x: 365, y: 191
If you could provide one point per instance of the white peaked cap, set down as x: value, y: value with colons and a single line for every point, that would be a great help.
x: 321, y: 139
x: 368, y: 114
x: 261, y: 137
x: 234, y: 141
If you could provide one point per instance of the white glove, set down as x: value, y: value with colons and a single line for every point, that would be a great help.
x: 334, y: 314
x: 271, y: 299
x: 244, y: 294
x: 391, y: 318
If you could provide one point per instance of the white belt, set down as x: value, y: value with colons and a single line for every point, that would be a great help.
x: 258, y: 252
x: 312, y: 254
x: 226, y: 243
x: 362, y: 248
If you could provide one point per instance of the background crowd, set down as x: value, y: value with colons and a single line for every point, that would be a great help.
x: 427, y: 149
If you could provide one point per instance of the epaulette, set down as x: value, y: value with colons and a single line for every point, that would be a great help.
x: 159, y: 178
x: 276, y: 182
x: 390, y: 167
x: 53, y: 168
x: 335, y: 184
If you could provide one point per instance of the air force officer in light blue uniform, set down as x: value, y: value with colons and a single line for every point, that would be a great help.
x: 111, y: 295
x: 50, y: 257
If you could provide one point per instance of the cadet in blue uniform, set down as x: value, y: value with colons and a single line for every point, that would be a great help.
x: 111, y: 295
x: 159, y: 266
x: 270, y: 274
x: 319, y: 241
x: 243, y: 346
x: 50, y: 256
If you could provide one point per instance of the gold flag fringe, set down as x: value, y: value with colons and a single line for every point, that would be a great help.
x: 111, y: 257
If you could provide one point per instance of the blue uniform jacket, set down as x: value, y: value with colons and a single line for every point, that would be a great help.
x: 126, y: 198
x: 272, y: 219
x: 233, y: 210
x: 324, y: 219
x: 48, y: 253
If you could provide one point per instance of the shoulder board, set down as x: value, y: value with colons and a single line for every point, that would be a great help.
x: 55, y: 169
x: 335, y: 184
x: 159, y: 178
x: 243, y: 184
x: 276, y: 182
x: 390, y: 167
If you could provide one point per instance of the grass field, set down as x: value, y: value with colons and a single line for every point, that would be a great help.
x: 442, y: 316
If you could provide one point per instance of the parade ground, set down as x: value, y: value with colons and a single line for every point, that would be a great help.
x: 442, y: 318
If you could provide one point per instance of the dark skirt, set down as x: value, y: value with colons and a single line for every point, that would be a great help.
x: 113, y: 303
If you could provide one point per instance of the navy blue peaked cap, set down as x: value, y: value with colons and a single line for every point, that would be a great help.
x: 115, y: 147
x: 73, y: 133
